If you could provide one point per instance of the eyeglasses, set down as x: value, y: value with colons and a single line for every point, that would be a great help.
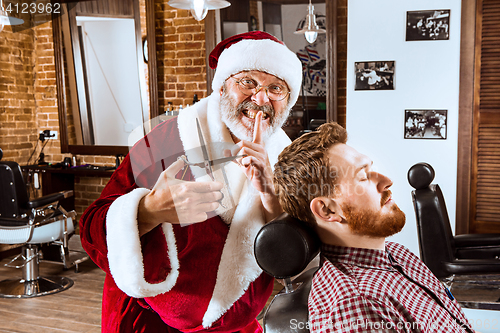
x: 248, y: 86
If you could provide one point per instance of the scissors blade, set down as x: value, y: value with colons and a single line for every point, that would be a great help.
x: 225, y: 159
x: 206, y: 159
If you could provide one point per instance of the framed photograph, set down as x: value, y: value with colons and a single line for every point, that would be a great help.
x: 374, y: 75
x: 428, y: 25
x: 426, y: 124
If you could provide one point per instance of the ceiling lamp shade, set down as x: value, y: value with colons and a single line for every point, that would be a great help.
x: 311, y: 29
x: 199, y: 8
x: 5, y: 19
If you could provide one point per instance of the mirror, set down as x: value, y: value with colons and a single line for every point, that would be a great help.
x: 216, y: 24
x: 106, y: 74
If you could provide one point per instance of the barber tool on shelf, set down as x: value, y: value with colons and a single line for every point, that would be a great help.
x: 42, y: 137
x: 207, y: 163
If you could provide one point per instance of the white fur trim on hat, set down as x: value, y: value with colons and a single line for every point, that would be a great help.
x: 124, y: 248
x: 263, y: 55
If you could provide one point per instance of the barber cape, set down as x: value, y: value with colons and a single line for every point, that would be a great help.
x: 243, y: 212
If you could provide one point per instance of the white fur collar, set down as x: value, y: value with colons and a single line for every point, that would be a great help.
x: 238, y: 267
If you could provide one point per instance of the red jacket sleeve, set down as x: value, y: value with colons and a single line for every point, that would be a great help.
x: 140, y: 168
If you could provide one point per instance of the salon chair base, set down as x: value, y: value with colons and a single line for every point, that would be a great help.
x: 288, y: 312
x: 31, y: 284
x: 42, y: 286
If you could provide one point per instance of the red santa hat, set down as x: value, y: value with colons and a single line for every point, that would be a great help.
x: 256, y: 50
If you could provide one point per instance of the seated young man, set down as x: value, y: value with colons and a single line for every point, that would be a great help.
x: 365, y: 284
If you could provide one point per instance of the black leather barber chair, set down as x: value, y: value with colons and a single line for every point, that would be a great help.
x: 284, y: 248
x: 447, y: 255
x: 31, y: 224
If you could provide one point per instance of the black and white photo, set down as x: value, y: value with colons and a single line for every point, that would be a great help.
x: 428, y: 25
x: 425, y: 124
x: 374, y: 75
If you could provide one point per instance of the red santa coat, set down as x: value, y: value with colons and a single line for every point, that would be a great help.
x: 196, y: 278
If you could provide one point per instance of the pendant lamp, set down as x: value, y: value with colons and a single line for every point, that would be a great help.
x: 311, y: 29
x: 199, y: 8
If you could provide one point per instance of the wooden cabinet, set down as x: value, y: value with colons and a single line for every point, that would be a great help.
x: 57, y: 179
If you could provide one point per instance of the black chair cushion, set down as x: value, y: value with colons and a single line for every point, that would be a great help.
x: 473, y: 266
x: 13, y: 196
x: 469, y: 240
x: 12, y: 222
x: 285, y: 246
x: 45, y: 200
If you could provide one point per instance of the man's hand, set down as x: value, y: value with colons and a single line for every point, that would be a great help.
x: 257, y: 168
x: 177, y: 201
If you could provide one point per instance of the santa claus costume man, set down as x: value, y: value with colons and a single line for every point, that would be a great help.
x: 176, y: 246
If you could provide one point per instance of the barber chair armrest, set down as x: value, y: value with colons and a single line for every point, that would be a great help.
x: 485, y: 252
x: 49, y: 198
x: 473, y: 266
x: 477, y: 240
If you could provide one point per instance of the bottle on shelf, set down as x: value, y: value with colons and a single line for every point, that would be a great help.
x: 170, y: 109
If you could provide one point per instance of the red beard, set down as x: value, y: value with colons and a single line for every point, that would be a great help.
x: 375, y: 224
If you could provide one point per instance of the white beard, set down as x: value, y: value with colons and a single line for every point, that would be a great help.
x: 230, y: 117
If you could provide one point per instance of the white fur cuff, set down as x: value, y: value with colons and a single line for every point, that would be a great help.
x: 124, y: 248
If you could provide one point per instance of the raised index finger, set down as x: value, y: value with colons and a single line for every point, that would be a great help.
x: 257, y: 129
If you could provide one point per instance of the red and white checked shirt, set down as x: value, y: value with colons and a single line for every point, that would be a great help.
x: 367, y: 290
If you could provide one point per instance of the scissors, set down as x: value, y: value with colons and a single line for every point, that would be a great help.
x: 207, y: 163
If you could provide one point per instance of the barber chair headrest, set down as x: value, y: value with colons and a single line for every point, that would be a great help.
x: 421, y: 175
x: 1, y: 154
x: 285, y: 246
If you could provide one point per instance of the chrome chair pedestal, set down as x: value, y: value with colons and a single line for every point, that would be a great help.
x: 31, y: 284
x: 42, y: 286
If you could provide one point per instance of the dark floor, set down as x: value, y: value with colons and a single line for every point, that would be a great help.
x: 77, y: 309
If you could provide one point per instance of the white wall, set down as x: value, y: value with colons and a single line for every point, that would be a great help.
x: 426, y: 77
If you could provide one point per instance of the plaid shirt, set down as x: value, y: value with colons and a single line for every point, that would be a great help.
x: 366, y: 290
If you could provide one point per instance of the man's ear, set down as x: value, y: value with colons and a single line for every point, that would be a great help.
x: 326, y: 209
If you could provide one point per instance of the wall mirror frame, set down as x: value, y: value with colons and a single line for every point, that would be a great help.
x: 61, y: 77
x: 212, y: 31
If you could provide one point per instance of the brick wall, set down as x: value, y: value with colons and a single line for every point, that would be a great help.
x: 18, y: 126
x: 180, y: 43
